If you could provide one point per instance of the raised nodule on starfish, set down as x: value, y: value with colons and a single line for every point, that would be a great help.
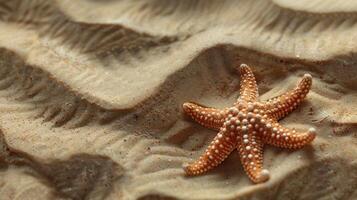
x: 248, y: 125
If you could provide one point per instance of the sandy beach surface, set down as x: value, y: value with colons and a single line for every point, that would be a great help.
x: 91, y: 95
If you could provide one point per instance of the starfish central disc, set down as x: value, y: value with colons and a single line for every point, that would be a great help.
x: 248, y: 125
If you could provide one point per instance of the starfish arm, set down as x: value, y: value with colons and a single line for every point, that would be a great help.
x: 208, y: 117
x: 279, y: 136
x: 222, y: 145
x: 284, y: 104
x: 248, y: 85
x: 250, y: 148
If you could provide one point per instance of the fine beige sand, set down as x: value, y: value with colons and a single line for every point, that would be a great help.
x: 91, y: 94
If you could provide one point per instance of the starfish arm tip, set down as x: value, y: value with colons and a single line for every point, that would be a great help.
x: 312, y: 131
x: 185, y: 166
x: 187, y: 170
x: 244, y: 68
x: 187, y: 106
x: 243, y: 65
x: 308, y: 76
x: 263, y: 176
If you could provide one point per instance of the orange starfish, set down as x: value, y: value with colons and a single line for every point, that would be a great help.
x: 248, y: 125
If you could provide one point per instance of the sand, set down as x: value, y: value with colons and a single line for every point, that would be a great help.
x: 91, y: 94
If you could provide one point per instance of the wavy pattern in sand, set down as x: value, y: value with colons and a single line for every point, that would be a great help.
x: 82, y: 176
x: 106, y: 79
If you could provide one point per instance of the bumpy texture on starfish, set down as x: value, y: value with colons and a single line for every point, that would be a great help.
x: 248, y: 125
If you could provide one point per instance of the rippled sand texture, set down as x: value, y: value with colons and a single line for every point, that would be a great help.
x: 91, y: 94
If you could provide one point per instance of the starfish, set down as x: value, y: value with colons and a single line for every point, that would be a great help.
x: 248, y: 125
